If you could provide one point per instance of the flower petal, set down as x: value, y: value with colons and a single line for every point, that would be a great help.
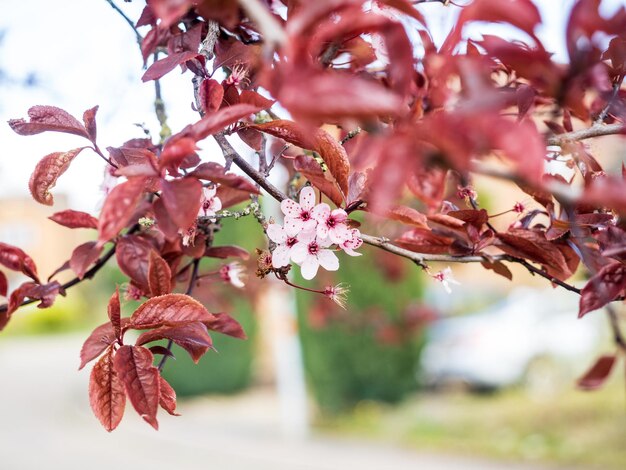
x: 276, y: 233
x: 299, y: 252
x: 339, y: 215
x: 293, y: 226
x: 290, y: 208
x: 280, y: 256
x: 309, y: 267
x: 340, y: 234
x: 328, y: 260
x: 307, y: 198
x: 321, y: 212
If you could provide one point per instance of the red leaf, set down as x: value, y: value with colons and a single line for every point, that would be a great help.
x: 192, y: 337
x: 229, y: 251
x: 169, y: 310
x: 141, y: 380
x: 159, y: 275
x: 255, y: 99
x: 167, y: 64
x: 170, y: 11
x: 216, y: 173
x: 596, y: 376
x: 118, y: 208
x: 48, y: 118
x: 424, y: 241
x: 114, y: 311
x: 534, y: 246
x: 4, y: 284
x: 225, y: 324
x: 132, y: 254
x: 106, y: 393
x: 499, y: 268
x: 74, y: 219
x: 408, y: 215
x: 318, y: 140
x: 164, y: 221
x: 99, y: 339
x: 230, y: 196
x: 211, y: 95
x: 182, y: 199
x: 332, y: 96
x: 311, y: 170
x: 605, y: 286
x: 84, y: 256
x: 45, y: 293
x: 167, y: 399
x: 15, y: 259
x: 47, y: 172
x: 177, y: 153
x: 89, y: 118
x: 216, y: 122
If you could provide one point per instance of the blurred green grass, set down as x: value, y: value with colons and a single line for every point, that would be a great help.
x: 573, y: 428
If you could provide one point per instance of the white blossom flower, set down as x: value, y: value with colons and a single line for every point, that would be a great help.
x: 352, y: 243
x: 298, y: 217
x: 331, y: 224
x: 234, y: 273
x: 445, y: 277
x: 210, y: 202
x: 284, y: 244
x: 310, y: 253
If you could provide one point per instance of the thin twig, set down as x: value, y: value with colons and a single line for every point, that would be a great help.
x: 189, y: 291
x: 128, y: 20
x: 88, y: 275
x: 596, y: 130
x: 605, y: 112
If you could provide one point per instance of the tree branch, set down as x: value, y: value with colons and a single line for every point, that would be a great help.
x: 128, y: 20
x: 597, y: 130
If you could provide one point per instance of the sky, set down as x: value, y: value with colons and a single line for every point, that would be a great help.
x: 85, y: 54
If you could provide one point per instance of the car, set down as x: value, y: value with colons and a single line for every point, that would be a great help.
x: 531, y: 337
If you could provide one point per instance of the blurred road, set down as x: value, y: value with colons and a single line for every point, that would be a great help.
x: 46, y: 422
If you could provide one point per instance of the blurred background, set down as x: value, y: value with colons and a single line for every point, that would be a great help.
x: 406, y: 376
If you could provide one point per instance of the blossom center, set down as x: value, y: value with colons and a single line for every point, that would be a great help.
x: 314, y: 248
x: 291, y: 241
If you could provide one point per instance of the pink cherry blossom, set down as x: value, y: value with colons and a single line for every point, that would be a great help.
x: 311, y: 252
x: 352, y: 243
x: 234, y: 273
x: 331, y: 223
x: 210, y: 202
x: 298, y: 217
x: 281, y: 255
x: 445, y: 277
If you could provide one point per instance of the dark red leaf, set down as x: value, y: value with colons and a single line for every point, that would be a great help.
x: 596, y: 376
x: 311, y: 170
x: 134, y: 366
x: 114, y: 311
x: 133, y: 254
x: 15, y: 259
x: 216, y: 122
x: 84, y: 256
x: 99, y: 339
x: 169, y: 310
x: 255, y: 99
x: 230, y: 196
x: 167, y: 64
x: 47, y: 172
x: 211, y: 95
x: 45, y: 293
x: 118, y: 207
x: 164, y: 221
x: 182, y: 199
x: 167, y: 399
x: 74, y: 219
x: 162, y: 350
x: 318, y: 140
x: 192, y: 337
x: 499, y: 268
x: 170, y: 11
x: 89, y: 118
x: 229, y: 251
x: 4, y: 284
x: 408, y: 215
x: 106, y: 392
x: 605, y: 286
x: 48, y: 118
x: 176, y: 152
x: 225, y: 324
x: 159, y: 275
x: 212, y: 171
x: 424, y: 241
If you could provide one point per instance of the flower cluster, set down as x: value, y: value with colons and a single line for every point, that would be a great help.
x: 308, y: 234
